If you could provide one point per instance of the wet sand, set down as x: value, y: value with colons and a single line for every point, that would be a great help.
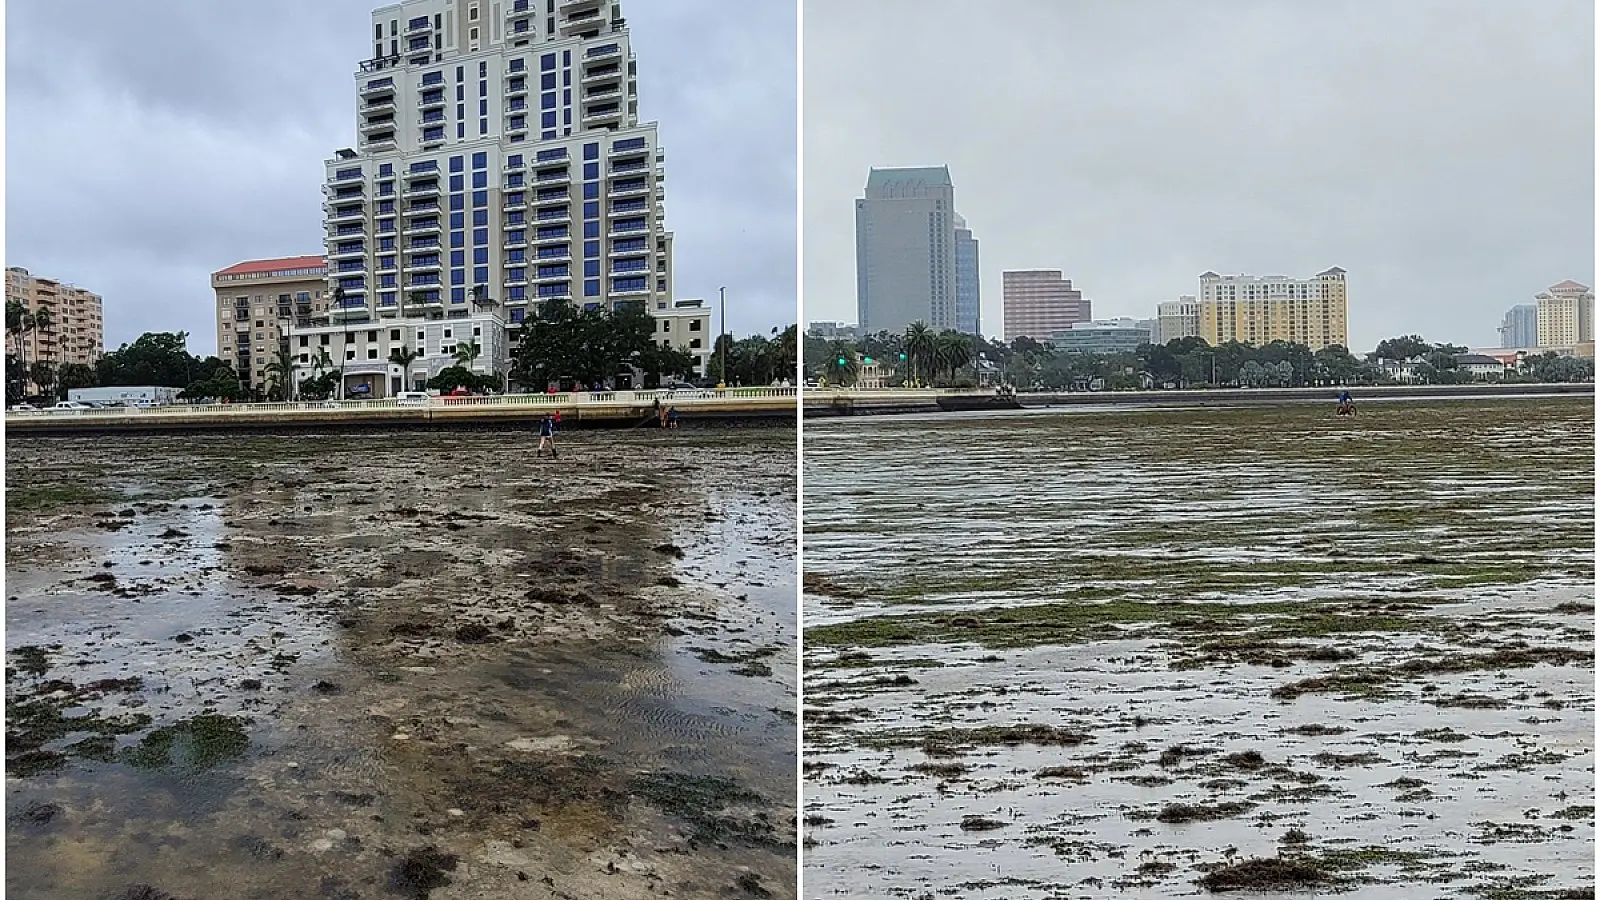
x: 401, y: 665
x: 1167, y: 653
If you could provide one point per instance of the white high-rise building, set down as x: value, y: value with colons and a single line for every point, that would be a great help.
x: 501, y: 163
x: 1176, y: 319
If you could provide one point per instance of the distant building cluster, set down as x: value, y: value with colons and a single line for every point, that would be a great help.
x: 1560, y: 320
x: 73, y: 331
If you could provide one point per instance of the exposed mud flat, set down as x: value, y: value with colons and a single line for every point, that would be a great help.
x: 401, y: 665
x: 1181, y: 652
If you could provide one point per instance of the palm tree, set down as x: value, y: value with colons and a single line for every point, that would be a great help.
x: 43, y: 374
x: 842, y: 367
x: 281, y: 371
x: 16, y: 323
x: 467, y: 354
x: 404, y: 357
x: 920, y: 346
x: 951, y: 350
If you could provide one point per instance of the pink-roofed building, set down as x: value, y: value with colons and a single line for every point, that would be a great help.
x: 257, y: 300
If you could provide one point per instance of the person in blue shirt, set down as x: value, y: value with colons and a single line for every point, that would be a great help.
x: 1347, y: 406
x: 547, y: 437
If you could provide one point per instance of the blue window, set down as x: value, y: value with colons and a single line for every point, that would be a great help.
x: 591, y: 229
x: 480, y: 256
x: 521, y: 274
x: 480, y: 274
x: 483, y: 126
x: 384, y: 244
x: 458, y: 238
x: 433, y: 78
x: 547, y: 135
x: 385, y: 262
x: 547, y: 81
x: 547, y: 62
x: 458, y: 295
x: 458, y: 276
x: 516, y: 256
x: 566, y: 116
x: 458, y: 258
x: 352, y: 282
x: 386, y: 281
x: 591, y: 151
x: 458, y: 220
x: 461, y: 73
x: 457, y: 182
x: 591, y: 209
x: 455, y: 163
x: 566, y: 78
x: 566, y: 56
x: 433, y: 134
x: 461, y: 129
x: 591, y: 190
x: 480, y: 179
x: 548, y: 101
x: 552, y: 290
x: 483, y: 88
x: 480, y: 160
x: 517, y: 123
x: 552, y: 231
x: 514, y: 218
x: 518, y: 65
x: 627, y: 284
x: 418, y: 22
x: 549, y: 120
x: 480, y: 238
x: 385, y: 225
x: 386, y: 169
x: 591, y: 171
x: 518, y: 293
x: 483, y: 69
x: 386, y: 298
x: 566, y: 96
x: 591, y: 249
x: 514, y: 161
x: 483, y: 107
x: 461, y: 110
x: 480, y: 199
x: 516, y: 314
x: 629, y: 144
x: 591, y: 268
x: 386, y: 206
x: 591, y: 287
x: 458, y: 201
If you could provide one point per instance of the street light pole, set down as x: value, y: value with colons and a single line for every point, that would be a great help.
x: 722, y: 294
x: 344, y: 325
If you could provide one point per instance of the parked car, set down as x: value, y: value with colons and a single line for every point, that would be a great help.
x: 412, y: 398
x: 25, y: 407
x: 70, y: 405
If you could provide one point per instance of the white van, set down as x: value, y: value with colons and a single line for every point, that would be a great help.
x: 412, y: 398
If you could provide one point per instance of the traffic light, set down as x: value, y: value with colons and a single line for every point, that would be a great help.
x: 902, y: 357
x: 841, y: 360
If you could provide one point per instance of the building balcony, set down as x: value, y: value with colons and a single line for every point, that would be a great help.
x: 422, y: 189
x: 381, y: 142
x: 350, y: 310
x: 520, y: 7
x: 511, y: 282
x: 435, y: 266
x: 521, y: 91
x: 631, y: 292
x: 426, y: 102
x: 627, y: 148
x: 618, y: 230
x: 606, y: 113
x: 335, y: 254
x: 638, y: 191
x: 423, y: 207
x: 628, y: 251
x: 513, y: 245
x: 378, y: 87
x: 513, y: 205
x: 419, y: 303
x: 605, y: 92
x: 581, y: 21
x: 430, y: 141
x: 551, y: 279
x: 373, y: 124
x: 565, y: 256
x: 558, y: 216
x: 380, y: 106
x: 513, y: 31
x: 519, y: 302
x: 346, y: 213
x: 596, y: 75
x: 553, y: 239
x: 569, y: 5
x: 422, y: 228
x: 555, y: 176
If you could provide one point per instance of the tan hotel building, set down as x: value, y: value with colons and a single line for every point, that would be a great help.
x: 1260, y: 309
x: 257, y: 301
x: 76, y: 333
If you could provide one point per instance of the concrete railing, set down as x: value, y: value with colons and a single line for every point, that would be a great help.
x: 681, y: 397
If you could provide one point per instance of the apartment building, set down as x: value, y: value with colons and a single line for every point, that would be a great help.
x: 1038, y: 303
x: 1564, y: 315
x: 259, y: 302
x: 969, y: 305
x: 75, y: 332
x: 1520, y: 327
x: 501, y: 163
x: 1260, y: 309
x: 687, y: 326
x: 906, y: 250
x: 361, y: 351
x: 1176, y: 319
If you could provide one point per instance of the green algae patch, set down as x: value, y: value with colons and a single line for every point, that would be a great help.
x: 51, y: 497
x: 1073, y: 623
x: 719, y: 810
x: 201, y: 742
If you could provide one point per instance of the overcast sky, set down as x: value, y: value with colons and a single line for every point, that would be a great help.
x: 1442, y: 151
x: 150, y: 144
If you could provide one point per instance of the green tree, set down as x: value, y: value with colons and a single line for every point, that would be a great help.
x: 43, y: 374
x: 461, y: 377
x: 467, y: 354
x: 1404, y: 347
x: 842, y: 367
x: 280, y: 374
x: 318, y: 387
x: 159, y: 359
x: 921, y: 348
x: 220, y: 383
x: 75, y: 375
x: 952, y: 351
x: 404, y: 357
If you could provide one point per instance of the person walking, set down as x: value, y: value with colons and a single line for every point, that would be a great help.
x: 547, y: 437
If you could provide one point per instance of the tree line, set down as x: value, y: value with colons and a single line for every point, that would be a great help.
x: 561, y: 343
x: 922, y: 357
